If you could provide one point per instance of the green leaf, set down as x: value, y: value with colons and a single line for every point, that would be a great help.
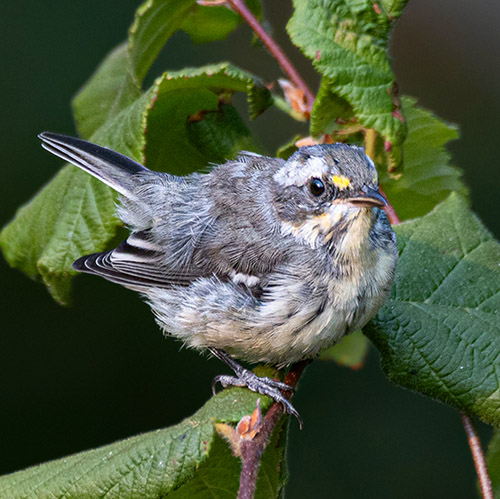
x: 328, y: 108
x: 193, y: 95
x: 439, y: 331
x: 218, y: 476
x: 207, y: 24
x: 393, y: 8
x: 155, y: 464
x: 428, y: 177
x: 118, y: 80
x: 286, y: 150
x: 109, y: 91
x: 347, y: 40
x: 155, y: 22
x: 220, y: 135
x: 493, y: 463
x: 74, y: 214
x: 350, y: 351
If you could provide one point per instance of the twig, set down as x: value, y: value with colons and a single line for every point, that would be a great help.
x: 478, y: 457
x: 251, y: 450
x: 390, y: 211
x: 276, y: 51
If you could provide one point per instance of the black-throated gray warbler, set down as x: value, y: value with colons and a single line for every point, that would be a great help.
x: 264, y: 260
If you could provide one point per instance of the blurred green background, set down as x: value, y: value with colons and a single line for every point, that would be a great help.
x: 72, y: 379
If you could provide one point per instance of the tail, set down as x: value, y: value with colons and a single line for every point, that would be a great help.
x: 112, y: 168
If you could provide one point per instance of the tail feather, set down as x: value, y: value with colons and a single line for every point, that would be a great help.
x: 110, y: 167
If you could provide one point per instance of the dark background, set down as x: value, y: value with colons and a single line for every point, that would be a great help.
x: 72, y: 379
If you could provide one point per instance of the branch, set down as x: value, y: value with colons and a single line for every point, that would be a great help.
x: 478, y: 457
x: 276, y: 51
x: 390, y: 211
x: 251, y: 449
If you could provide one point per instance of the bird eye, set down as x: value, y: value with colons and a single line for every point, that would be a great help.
x: 317, y: 187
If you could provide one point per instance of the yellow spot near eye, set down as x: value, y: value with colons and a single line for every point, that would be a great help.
x: 340, y: 181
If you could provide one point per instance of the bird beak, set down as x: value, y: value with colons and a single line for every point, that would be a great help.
x: 369, y: 198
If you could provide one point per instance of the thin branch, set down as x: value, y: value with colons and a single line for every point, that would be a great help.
x: 478, y: 457
x: 276, y: 51
x: 251, y: 450
x: 390, y: 211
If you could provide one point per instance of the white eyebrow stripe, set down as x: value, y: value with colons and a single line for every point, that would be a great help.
x: 296, y: 173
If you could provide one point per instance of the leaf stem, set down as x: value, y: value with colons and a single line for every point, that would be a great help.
x: 251, y: 450
x: 390, y: 211
x: 478, y: 457
x: 276, y: 51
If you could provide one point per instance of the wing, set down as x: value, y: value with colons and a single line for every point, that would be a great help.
x: 137, y: 264
x: 182, y: 229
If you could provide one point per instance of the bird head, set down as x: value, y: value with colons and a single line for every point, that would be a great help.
x: 322, y: 190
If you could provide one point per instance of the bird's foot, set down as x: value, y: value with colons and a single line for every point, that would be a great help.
x: 263, y: 385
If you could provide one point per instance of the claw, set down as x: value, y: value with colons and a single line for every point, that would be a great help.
x: 264, y: 386
x: 245, y: 378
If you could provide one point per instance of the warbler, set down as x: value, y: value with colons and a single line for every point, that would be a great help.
x: 261, y: 259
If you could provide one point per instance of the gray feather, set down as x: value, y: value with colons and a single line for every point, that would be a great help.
x: 112, y: 168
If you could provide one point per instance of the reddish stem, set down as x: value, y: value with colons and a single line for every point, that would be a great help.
x: 478, y: 457
x: 276, y: 51
x: 390, y: 211
x: 251, y: 450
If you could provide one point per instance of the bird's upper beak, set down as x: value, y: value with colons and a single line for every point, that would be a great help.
x: 368, y: 198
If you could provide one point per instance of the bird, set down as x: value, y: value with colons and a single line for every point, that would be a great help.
x: 261, y: 259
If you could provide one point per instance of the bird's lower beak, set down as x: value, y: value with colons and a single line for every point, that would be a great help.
x: 369, y: 198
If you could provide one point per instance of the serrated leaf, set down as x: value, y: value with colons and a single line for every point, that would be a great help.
x: 327, y: 109
x: 207, y: 24
x: 347, y: 40
x: 74, y: 214
x: 155, y: 22
x: 493, y: 464
x: 186, y: 103
x: 428, y: 177
x: 350, y: 351
x: 393, y: 8
x: 439, y: 331
x: 145, y: 466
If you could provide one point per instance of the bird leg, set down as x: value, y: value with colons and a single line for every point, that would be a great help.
x: 259, y: 384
